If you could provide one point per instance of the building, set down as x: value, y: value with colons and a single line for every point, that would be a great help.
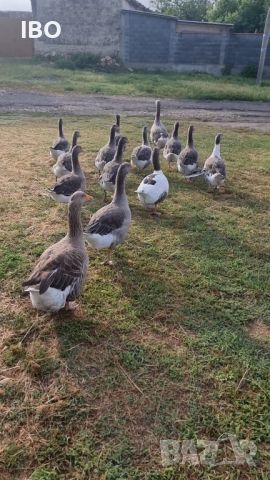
x: 87, y: 25
x: 141, y: 38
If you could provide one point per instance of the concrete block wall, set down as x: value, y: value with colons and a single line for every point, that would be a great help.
x: 92, y: 26
x: 152, y: 41
x: 244, y: 50
x: 146, y: 39
x: 157, y: 41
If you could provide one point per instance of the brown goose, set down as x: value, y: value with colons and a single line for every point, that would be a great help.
x: 63, y: 165
x: 108, y: 177
x: 215, y: 168
x: 71, y: 183
x: 159, y: 134
x: 61, y: 271
x: 118, y: 129
x: 61, y: 144
x: 106, y: 153
x: 110, y: 225
x: 172, y: 148
x: 141, y: 156
x: 187, y: 162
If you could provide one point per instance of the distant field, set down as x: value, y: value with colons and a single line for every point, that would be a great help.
x: 173, y: 343
x: 23, y: 74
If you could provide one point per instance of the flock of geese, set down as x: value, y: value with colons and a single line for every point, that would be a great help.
x: 61, y: 271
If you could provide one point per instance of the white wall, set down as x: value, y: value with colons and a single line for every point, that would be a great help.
x: 17, y: 5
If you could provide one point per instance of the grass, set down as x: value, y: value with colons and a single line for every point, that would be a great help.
x: 42, y: 76
x: 171, y: 344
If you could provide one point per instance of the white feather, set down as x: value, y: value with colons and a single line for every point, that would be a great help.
x: 52, y: 300
x: 60, y: 198
x: 149, y: 194
x: 99, y: 242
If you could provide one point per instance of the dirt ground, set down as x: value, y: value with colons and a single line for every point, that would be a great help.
x: 253, y: 115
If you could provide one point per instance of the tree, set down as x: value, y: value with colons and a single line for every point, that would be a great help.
x: 184, y: 9
x: 246, y: 15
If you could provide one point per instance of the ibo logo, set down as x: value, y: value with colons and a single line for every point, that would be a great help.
x: 35, y: 29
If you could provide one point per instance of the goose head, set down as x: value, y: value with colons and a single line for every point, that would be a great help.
x: 79, y: 198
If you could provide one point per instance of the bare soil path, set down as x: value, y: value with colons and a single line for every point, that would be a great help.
x: 253, y: 115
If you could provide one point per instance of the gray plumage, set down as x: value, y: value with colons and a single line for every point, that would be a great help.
x: 158, y: 130
x: 62, y: 267
x: 188, y: 159
x: 110, y: 225
x: 61, y: 143
x: 106, y: 153
x: 108, y: 177
x: 118, y: 129
x: 71, y: 183
x: 64, y: 162
x: 214, y: 167
x: 173, y: 147
x: 142, y: 155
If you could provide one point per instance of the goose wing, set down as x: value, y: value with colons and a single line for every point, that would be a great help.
x: 189, y: 156
x: 106, y: 220
x: 110, y: 173
x: 68, y: 185
x: 59, y: 268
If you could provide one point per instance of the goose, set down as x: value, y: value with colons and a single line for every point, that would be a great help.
x: 154, y: 188
x: 159, y: 134
x: 214, y: 168
x: 141, y: 156
x: 118, y: 129
x: 63, y: 165
x: 187, y: 162
x: 108, y: 177
x: 106, y: 153
x: 172, y: 148
x: 60, y: 273
x: 71, y: 183
x: 109, y: 226
x: 61, y: 144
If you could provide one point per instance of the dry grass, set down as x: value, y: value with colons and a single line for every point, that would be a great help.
x: 163, y: 346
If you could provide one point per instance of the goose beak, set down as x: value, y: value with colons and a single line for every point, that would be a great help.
x: 88, y: 198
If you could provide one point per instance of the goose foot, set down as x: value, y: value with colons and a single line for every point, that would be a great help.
x: 155, y: 213
x: 71, y: 306
x: 222, y: 190
x: 109, y: 262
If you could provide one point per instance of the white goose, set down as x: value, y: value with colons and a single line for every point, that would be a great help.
x: 154, y: 189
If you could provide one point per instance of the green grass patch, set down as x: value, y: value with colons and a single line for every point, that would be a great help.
x: 48, y: 77
x: 173, y: 343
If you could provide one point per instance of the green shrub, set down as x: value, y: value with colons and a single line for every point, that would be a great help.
x: 250, y: 71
